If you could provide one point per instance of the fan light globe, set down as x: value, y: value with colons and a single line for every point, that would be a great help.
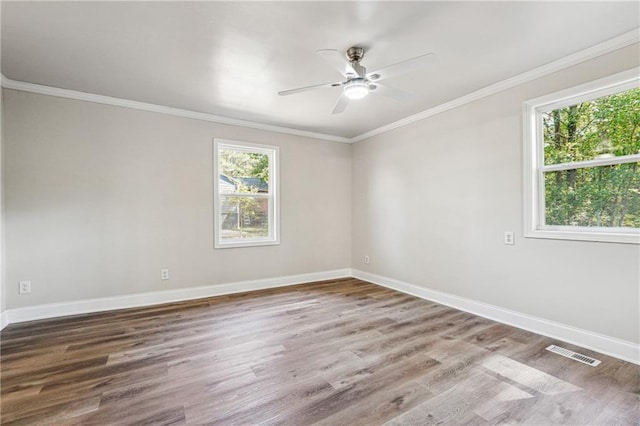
x: 356, y: 89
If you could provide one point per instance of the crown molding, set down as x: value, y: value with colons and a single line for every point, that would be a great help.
x: 592, y: 52
x: 8, y: 83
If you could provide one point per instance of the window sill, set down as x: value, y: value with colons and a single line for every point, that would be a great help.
x: 584, y: 235
x: 250, y: 243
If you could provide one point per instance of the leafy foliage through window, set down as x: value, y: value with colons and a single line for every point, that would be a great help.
x: 245, y: 194
x: 582, y: 162
x: 600, y: 195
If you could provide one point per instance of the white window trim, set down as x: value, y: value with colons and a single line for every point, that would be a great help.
x: 533, y: 160
x: 274, y: 194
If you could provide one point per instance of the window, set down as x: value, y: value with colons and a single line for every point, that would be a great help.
x: 582, y: 162
x: 245, y: 194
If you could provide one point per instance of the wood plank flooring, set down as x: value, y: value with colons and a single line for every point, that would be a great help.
x: 340, y: 352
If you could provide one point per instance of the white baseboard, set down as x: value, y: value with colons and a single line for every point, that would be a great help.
x: 617, y: 348
x: 621, y: 349
x: 4, y: 319
x: 86, y: 306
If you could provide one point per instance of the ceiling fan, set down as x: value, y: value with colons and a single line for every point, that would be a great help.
x: 359, y: 83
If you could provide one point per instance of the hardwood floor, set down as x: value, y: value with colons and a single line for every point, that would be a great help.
x: 341, y: 352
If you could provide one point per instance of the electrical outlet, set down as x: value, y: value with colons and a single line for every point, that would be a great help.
x: 366, y: 260
x: 508, y: 238
x: 24, y: 287
x: 164, y: 274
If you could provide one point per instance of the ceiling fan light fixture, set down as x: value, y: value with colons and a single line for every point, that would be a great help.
x: 356, y: 89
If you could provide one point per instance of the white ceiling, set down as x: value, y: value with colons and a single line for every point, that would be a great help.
x: 231, y: 58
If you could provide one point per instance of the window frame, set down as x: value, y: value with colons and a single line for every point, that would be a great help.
x: 534, y: 168
x: 273, y: 152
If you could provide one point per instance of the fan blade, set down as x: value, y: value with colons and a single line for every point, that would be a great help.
x: 403, y: 67
x: 341, y: 105
x: 391, y: 92
x: 337, y: 60
x: 307, y: 88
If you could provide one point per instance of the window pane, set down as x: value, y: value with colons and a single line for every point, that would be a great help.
x: 243, y: 172
x: 244, y: 217
x: 605, y: 127
x: 607, y: 196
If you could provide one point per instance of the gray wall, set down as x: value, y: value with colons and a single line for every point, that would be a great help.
x: 431, y: 202
x: 100, y: 198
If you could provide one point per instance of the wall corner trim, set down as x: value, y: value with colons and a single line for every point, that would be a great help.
x: 87, y: 306
x: 607, y: 345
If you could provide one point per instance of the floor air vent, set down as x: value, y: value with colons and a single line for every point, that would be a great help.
x: 573, y: 355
